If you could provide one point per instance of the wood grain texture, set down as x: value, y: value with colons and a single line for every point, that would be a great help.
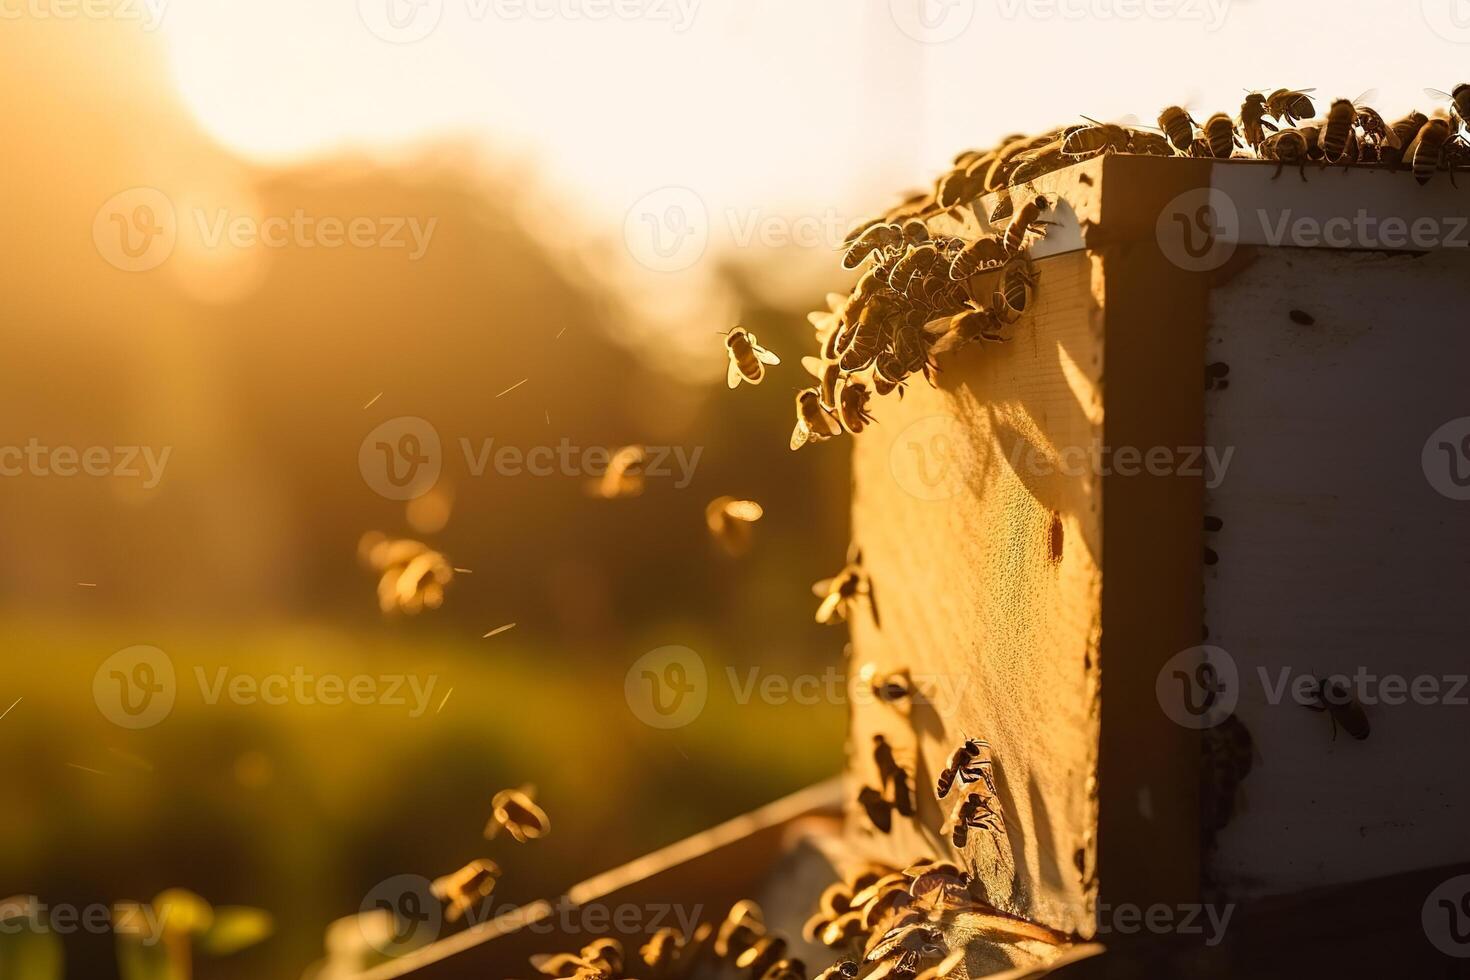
x: 1338, y: 555
x: 986, y: 572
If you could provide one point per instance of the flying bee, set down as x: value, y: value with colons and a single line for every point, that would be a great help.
x: 1253, y: 123
x: 841, y: 592
x: 412, y: 576
x: 1459, y: 101
x: 517, y: 812
x: 623, y: 476
x: 730, y: 523
x: 813, y: 422
x: 852, y: 405
x: 1220, y: 136
x: 1291, y: 106
x: 966, y: 765
x: 880, y: 814
x: 1026, y: 222
x: 1332, y: 697
x: 1427, y: 153
x: 1178, y: 126
x: 984, y: 251
x: 463, y: 889
x: 875, y: 239
x: 748, y: 359
x: 1288, y: 147
x: 975, y: 813
x: 917, y: 261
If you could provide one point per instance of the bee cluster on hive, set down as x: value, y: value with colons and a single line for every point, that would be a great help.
x: 922, y: 295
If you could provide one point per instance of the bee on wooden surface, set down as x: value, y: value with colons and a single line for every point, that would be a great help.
x: 1220, y: 136
x: 841, y: 592
x: 1150, y: 143
x: 464, y: 889
x: 852, y: 405
x: 966, y: 765
x: 1178, y: 126
x: 623, y: 476
x: 1026, y: 223
x: 975, y: 813
x: 1337, y: 131
x: 877, y: 809
x: 1287, y: 148
x: 1094, y: 138
x: 813, y: 422
x: 748, y: 359
x: 730, y: 523
x: 1016, y: 288
x: 875, y: 239
x: 1374, y: 128
x: 957, y: 187
x: 982, y: 253
x: 907, y: 947
x: 1403, y: 131
x: 1253, y: 122
x: 1459, y: 101
x: 1040, y: 162
x: 1291, y: 106
x: 1333, y: 697
x: 516, y: 811
x: 916, y: 262
x: 1426, y: 153
x: 841, y: 970
x: 976, y: 323
x: 412, y: 576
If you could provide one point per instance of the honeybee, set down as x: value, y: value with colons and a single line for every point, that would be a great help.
x: 813, y: 422
x: 1220, y: 136
x: 1094, y: 138
x: 908, y: 946
x: 1459, y: 101
x: 958, y: 186
x: 867, y: 338
x: 462, y: 889
x: 1178, y: 126
x: 1026, y: 222
x: 1333, y: 697
x: 516, y: 810
x: 1373, y: 125
x: 917, y: 261
x: 841, y: 592
x: 1290, y: 106
x: 623, y: 476
x: 1014, y: 295
x: 975, y: 813
x: 1427, y: 153
x: 976, y: 323
x: 748, y: 359
x: 966, y: 765
x: 1338, y: 130
x: 1403, y: 130
x: 826, y: 374
x: 1038, y: 162
x: 852, y: 405
x: 841, y: 970
x: 729, y: 522
x: 1286, y: 147
x: 1253, y: 123
x: 876, y: 238
x: 984, y: 251
x: 1150, y: 143
x: 412, y: 576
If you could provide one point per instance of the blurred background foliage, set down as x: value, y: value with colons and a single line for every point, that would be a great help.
x: 255, y: 373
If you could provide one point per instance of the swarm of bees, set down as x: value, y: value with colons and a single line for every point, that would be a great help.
x: 411, y: 575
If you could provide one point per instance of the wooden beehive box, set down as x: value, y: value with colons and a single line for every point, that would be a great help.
x: 1208, y: 430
